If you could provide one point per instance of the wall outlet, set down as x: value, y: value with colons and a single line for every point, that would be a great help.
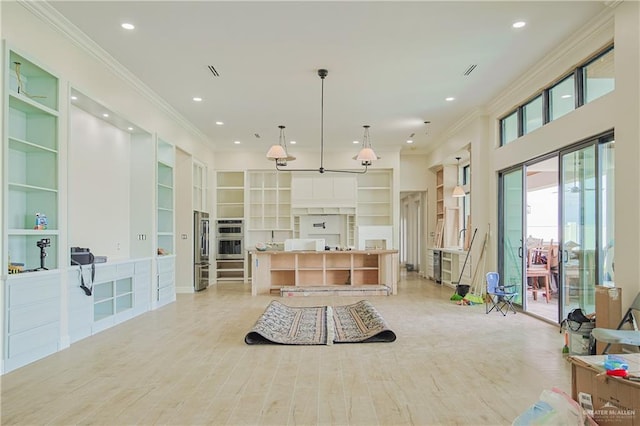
x: 183, y: 236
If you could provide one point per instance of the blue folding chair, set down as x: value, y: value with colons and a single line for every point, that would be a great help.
x: 500, y: 297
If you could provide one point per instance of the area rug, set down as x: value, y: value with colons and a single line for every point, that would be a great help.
x: 319, y: 325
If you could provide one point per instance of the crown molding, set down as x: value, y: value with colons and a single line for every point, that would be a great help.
x: 47, y: 13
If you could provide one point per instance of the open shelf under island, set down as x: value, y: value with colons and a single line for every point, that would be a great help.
x: 354, y: 269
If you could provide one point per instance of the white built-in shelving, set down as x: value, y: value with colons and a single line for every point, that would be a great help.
x: 165, y: 197
x: 31, y: 161
x: 269, y: 201
x: 375, y: 200
x: 230, y: 194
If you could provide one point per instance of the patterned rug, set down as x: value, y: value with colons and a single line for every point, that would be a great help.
x: 320, y: 325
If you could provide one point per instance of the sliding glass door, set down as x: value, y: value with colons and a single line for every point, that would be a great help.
x: 511, y: 229
x: 587, y: 223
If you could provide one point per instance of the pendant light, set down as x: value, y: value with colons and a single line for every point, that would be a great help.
x: 366, y: 156
x: 278, y: 152
x: 458, y: 191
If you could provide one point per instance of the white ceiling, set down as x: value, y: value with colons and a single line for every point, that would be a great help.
x: 391, y: 64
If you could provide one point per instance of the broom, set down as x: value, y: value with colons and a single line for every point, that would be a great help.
x: 475, y: 295
x: 456, y: 295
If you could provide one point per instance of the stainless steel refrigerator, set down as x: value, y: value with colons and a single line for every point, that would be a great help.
x: 201, y: 250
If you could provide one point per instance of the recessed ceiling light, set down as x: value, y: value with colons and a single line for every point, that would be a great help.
x: 105, y: 115
x: 197, y: 99
x: 293, y: 142
x: 519, y: 24
x: 450, y: 98
x: 130, y: 128
x: 74, y: 98
x: 409, y: 141
x: 356, y: 142
x: 128, y: 26
x: 219, y: 123
x: 236, y: 142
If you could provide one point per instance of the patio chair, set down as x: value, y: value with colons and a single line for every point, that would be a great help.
x: 499, y: 297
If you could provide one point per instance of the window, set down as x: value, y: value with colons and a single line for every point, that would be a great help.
x: 587, y: 82
x: 509, y: 129
x: 598, y: 77
x: 562, y: 98
x: 532, y: 115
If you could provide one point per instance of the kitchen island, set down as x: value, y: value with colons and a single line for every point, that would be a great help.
x: 273, y: 271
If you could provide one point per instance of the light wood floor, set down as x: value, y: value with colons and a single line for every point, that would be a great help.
x: 187, y: 363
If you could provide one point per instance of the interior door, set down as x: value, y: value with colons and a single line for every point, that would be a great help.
x: 510, y: 253
x: 579, y: 219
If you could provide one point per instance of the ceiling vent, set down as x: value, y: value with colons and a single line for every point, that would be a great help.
x: 470, y: 69
x: 213, y: 70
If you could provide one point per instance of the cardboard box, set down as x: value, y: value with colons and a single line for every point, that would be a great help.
x: 608, y: 313
x: 616, y: 401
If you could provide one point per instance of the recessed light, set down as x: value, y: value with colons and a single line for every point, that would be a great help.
x: 409, y: 141
x: 130, y: 128
x: 197, y: 99
x: 74, y: 98
x: 356, y: 142
x: 219, y: 123
x: 450, y: 98
x: 105, y: 115
x: 236, y: 142
x: 128, y: 26
x: 519, y: 24
x: 293, y: 142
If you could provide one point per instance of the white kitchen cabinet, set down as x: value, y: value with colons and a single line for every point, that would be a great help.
x: 322, y: 194
x: 269, y: 201
x: 200, y: 187
x: 230, y: 195
x: 374, y: 197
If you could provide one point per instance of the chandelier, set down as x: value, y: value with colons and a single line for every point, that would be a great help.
x: 279, y: 154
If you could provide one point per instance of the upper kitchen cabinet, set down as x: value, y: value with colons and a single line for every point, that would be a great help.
x: 323, y: 194
x: 200, y: 176
x: 269, y: 200
x: 375, y: 202
x: 165, y: 197
x: 31, y: 136
x: 230, y: 195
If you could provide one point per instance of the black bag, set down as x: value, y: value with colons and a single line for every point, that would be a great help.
x: 578, y: 316
x: 83, y: 256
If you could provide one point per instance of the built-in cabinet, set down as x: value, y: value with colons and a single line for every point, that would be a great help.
x: 165, y: 197
x: 200, y: 186
x: 375, y: 200
x: 121, y: 290
x: 32, y: 163
x: 60, y: 181
x: 274, y: 270
x: 452, y: 263
x: 230, y: 195
x: 269, y: 199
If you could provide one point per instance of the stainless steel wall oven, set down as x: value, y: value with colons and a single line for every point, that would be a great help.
x: 229, y: 239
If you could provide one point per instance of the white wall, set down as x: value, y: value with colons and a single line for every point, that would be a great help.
x: 184, y: 222
x: 98, y: 186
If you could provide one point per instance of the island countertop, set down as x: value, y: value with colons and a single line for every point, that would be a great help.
x: 348, y: 269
